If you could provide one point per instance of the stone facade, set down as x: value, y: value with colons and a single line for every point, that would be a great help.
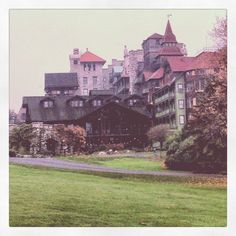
x: 89, y: 68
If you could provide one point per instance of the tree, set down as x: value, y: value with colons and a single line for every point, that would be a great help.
x: 158, y: 134
x: 209, y: 118
x: 73, y: 137
x: 203, y: 144
x: 20, y: 137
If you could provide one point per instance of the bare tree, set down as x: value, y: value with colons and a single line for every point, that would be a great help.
x: 159, y: 134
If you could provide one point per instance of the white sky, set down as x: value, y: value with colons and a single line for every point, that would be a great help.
x: 41, y: 40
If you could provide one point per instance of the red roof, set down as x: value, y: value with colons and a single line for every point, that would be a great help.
x: 169, y: 36
x: 157, y: 74
x: 90, y: 57
x: 147, y: 74
x: 180, y: 63
x: 170, y: 51
x: 204, y: 60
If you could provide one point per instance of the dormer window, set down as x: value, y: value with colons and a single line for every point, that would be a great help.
x: 97, y: 103
x: 77, y: 103
x: 48, y: 104
x: 132, y: 102
x: 117, y: 101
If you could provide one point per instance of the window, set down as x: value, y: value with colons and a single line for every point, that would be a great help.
x: 85, y: 80
x: 180, y: 88
x: 189, y: 87
x: 56, y: 92
x: 94, y: 66
x: 66, y: 92
x: 85, y: 67
x: 181, y: 103
x: 181, y: 119
x: 97, y: 103
x: 131, y: 103
x: 88, y: 127
x: 77, y: 103
x: 85, y: 91
x: 48, y: 104
x: 117, y: 101
x: 75, y: 62
x: 194, y: 101
x: 94, y: 80
x: 89, y: 66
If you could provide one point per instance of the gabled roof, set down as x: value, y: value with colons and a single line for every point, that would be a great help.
x: 90, y: 57
x: 113, y: 97
x: 155, y: 36
x: 60, y: 80
x: 169, y: 36
x: 62, y: 111
x: 147, y: 75
x: 141, y: 112
x: 157, y: 74
x: 204, y: 60
x: 178, y: 64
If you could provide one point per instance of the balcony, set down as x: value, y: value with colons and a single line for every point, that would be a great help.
x: 165, y: 97
x: 165, y: 112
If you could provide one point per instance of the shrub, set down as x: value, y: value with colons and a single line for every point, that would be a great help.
x: 12, y: 153
x: 180, y: 154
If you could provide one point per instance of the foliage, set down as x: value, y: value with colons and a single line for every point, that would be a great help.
x: 180, y: 154
x: 208, y: 123
x: 158, y: 134
x: 71, y: 136
x: 12, y: 153
x: 20, y: 137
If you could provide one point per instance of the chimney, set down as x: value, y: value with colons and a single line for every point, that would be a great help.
x: 76, y: 51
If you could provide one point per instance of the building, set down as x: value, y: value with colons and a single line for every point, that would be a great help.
x: 60, y: 84
x: 126, y: 73
x: 183, y: 78
x: 106, y: 117
x: 115, y: 70
x: 89, y: 69
x: 118, y: 104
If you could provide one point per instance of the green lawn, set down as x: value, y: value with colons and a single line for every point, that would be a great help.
x: 49, y: 197
x: 123, y: 162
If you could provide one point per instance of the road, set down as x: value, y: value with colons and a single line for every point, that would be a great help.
x: 71, y: 165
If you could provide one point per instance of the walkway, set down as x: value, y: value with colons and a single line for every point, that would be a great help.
x: 61, y: 164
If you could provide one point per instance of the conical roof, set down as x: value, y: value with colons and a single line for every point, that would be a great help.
x: 169, y: 37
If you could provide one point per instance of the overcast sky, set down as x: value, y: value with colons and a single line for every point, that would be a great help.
x: 41, y: 40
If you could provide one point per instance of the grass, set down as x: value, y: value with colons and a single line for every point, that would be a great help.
x: 49, y: 197
x: 122, y: 162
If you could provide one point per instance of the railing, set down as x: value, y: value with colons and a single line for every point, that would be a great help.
x: 145, y: 90
x: 164, y: 97
x: 165, y: 112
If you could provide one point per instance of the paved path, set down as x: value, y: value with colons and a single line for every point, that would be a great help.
x: 61, y: 164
